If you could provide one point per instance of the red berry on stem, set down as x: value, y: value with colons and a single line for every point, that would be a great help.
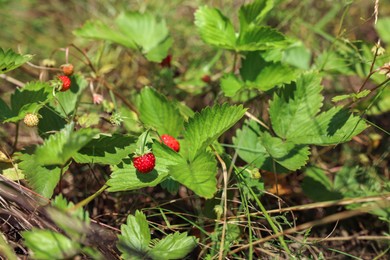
x: 65, y: 82
x: 171, y: 142
x: 144, y: 163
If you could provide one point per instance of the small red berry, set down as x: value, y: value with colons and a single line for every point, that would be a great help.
x: 65, y: 82
x: 67, y: 69
x: 144, y: 163
x: 171, y: 142
x: 206, y: 78
x: 166, y: 62
x: 31, y: 120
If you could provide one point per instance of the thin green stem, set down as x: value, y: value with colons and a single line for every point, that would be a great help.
x: 88, y: 199
x: 271, y: 222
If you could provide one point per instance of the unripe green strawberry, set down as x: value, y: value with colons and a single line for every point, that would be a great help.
x: 171, y: 142
x: 65, y: 82
x: 144, y: 163
x: 31, y: 120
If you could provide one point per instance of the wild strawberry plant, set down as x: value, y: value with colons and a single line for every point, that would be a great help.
x: 152, y: 139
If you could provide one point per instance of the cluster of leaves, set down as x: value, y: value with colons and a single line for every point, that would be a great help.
x: 297, y: 120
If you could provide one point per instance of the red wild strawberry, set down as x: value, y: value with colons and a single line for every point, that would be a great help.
x: 144, y: 163
x: 171, y: 142
x: 31, y: 120
x: 67, y: 69
x: 65, y: 82
x: 206, y: 78
x: 166, y: 62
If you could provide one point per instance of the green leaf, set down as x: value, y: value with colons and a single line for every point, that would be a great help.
x: 170, y: 185
x: 133, y: 30
x: 157, y: 112
x: 254, y: 12
x: 249, y: 144
x: 42, y: 179
x: 135, y: 236
x: 285, y: 153
x: 62, y: 204
x: 383, y: 29
x: 256, y: 38
x: 216, y: 120
x: 10, y: 60
x: 13, y: 173
x: 146, y: 32
x: 295, y: 105
x: 334, y: 126
x: 46, y: 244
x: 66, y: 102
x: 214, y: 28
x: 317, y: 186
x: 106, y: 149
x: 199, y: 174
x: 29, y: 99
x: 173, y: 246
x: 264, y: 75
x: 50, y: 121
x: 5, y: 111
x: 294, y: 109
x: 297, y: 55
x: 101, y: 31
x: 62, y: 146
x: 230, y: 84
x: 353, y: 96
x: 125, y: 177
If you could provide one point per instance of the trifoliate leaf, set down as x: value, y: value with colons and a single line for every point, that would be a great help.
x: 62, y: 146
x: 106, y: 149
x: 173, y: 246
x: 9, y: 60
x: 216, y: 120
x: 42, y: 179
x: 47, y: 244
x: 159, y: 113
x: 135, y: 236
x: 215, y: 28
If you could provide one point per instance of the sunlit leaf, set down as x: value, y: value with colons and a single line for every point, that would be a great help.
x: 214, y: 28
x: 10, y: 60
x: 158, y: 112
